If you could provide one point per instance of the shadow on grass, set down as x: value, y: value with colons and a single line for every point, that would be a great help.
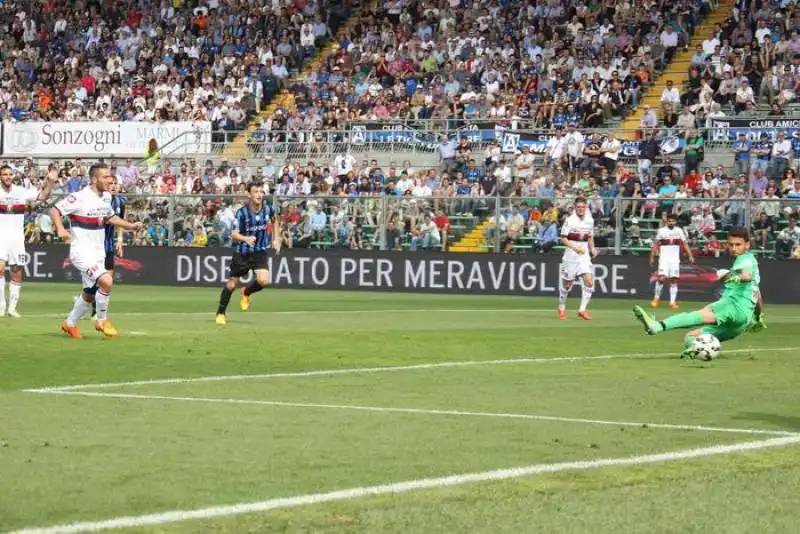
x: 784, y: 422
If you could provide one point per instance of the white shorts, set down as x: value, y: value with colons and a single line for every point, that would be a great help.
x: 670, y: 269
x: 574, y: 269
x: 12, y: 252
x: 91, y: 266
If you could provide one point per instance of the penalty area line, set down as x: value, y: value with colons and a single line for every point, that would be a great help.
x: 380, y: 369
x: 214, y: 512
x: 433, y: 412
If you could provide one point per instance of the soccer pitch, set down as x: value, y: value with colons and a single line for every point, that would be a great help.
x: 364, y: 412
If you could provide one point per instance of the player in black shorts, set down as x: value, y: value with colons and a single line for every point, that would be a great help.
x: 113, y: 241
x: 251, y: 241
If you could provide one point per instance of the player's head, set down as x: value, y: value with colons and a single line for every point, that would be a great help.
x: 6, y: 176
x: 672, y: 220
x: 112, y: 185
x: 100, y: 176
x: 255, y: 192
x: 738, y: 241
x: 580, y: 207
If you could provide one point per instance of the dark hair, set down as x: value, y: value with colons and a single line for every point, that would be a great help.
x: 96, y: 167
x: 580, y: 200
x: 4, y: 167
x: 740, y: 232
x: 251, y: 185
x: 672, y: 216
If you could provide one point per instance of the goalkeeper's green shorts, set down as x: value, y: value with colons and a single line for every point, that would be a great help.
x: 732, y: 320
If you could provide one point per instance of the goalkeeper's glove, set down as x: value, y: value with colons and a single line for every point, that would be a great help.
x: 728, y: 277
x: 757, y: 325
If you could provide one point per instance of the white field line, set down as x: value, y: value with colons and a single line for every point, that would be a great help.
x: 423, y: 411
x: 178, y: 516
x: 338, y: 312
x: 383, y: 369
x: 376, y: 311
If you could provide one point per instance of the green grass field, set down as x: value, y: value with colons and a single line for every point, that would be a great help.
x: 611, y: 432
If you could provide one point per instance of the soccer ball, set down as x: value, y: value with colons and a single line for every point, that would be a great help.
x: 706, y: 347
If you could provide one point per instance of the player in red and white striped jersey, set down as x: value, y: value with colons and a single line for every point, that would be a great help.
x: 669, y: 242
x: 88, y: 211
x: 14, y: 201
x: 577, y: 237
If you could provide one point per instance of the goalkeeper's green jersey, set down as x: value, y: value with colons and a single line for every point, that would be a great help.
x: 744, y: 294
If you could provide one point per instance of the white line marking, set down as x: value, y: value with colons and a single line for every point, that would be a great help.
x: 423, y: 411
x: 381, y: 310
x: 384, y: 369
x: 134, y: 333
x: 337, y: 312
x: 177, y: 516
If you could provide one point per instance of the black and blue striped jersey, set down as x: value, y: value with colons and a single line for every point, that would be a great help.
x: 118, y: 206
x: 256, y: 224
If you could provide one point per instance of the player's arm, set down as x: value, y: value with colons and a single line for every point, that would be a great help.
x: 592, y: 248
x: 124, y: 225
x: 277, y: 238
x: 654, y: 252
x: 687, y: 250
x: 52, y: 179
x: 58, y: 224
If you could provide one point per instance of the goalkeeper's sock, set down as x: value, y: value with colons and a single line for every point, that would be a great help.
x: 224, y: 300
x: 687, y: 347
x: 252, y: 287
x: 682, y: 320
x: 673, y: 293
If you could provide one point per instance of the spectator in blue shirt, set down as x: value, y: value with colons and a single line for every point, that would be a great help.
x: 75, y: 182
x: 763, y: 150
x: 741, y: 158
x: 548, y: 236
x: 319, y: 220
x: 667, y: 190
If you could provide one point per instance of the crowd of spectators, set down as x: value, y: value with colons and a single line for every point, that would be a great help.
x: 154, y: 61
x: 749, y: 63
x: 530, y: 64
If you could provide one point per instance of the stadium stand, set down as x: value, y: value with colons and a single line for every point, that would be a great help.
x: 570, y: 71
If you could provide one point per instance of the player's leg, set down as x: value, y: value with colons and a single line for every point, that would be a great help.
x: 587, y: 288
x: 105, y: 283
x: 14, y: 290
x: 659, y: 287
x: 257, y: 262
x: 693, y: 319
x: 566, y: 280
x: 673, y: 292
x: 79, y: 307
x: 225, y: 298
x: 109, y: 265
x: 2, y: 284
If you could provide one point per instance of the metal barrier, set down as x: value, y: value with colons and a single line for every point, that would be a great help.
x: 623, y: 225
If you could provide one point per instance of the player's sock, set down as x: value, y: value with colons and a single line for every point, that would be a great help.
x: 78, y: 309
x: 224, y: 299
x: 682, y: 320
x: 562, y: 295
x: 252, y: 287
x: 659, y: 287
x: 13, y: 296
x: 94, y: 308
x: 2, y: 292
x: 586, y: 296
x: 101, y: 299
x: 673, y: 293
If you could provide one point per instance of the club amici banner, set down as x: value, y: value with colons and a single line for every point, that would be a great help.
x: 482, y: 132
x: 728, y: 129
x: 423, y: 272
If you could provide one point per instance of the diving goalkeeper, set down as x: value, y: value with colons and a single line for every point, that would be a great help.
x: 739, y: 309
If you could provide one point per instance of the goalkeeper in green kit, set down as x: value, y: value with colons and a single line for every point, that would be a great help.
x: 739, y: 310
